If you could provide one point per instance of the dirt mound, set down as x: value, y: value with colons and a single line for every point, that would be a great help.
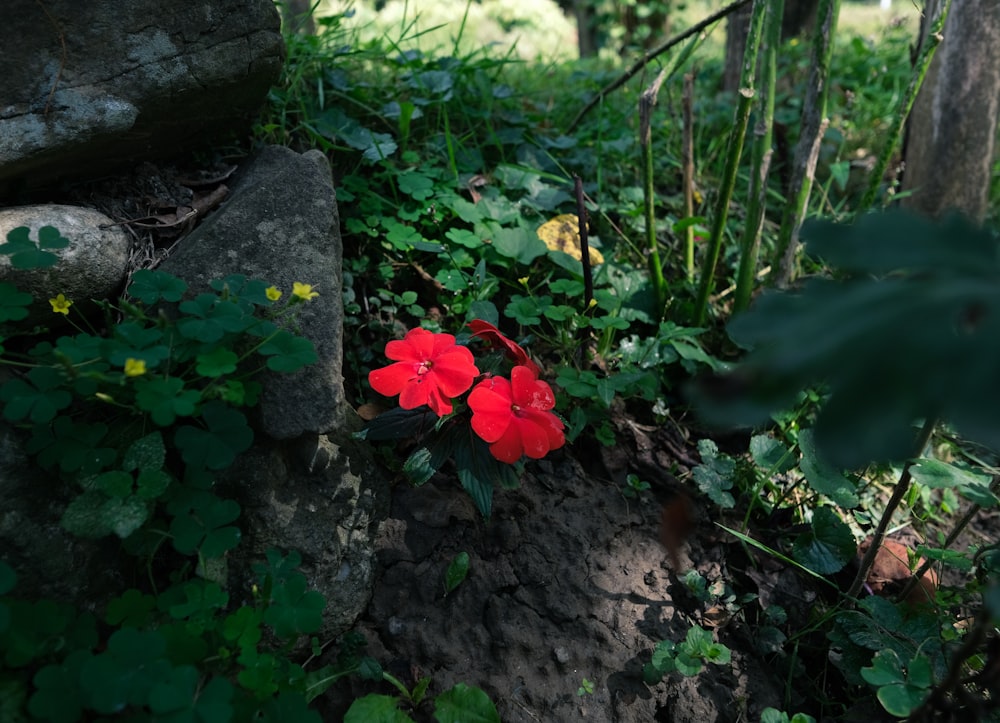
x: 567, y: 581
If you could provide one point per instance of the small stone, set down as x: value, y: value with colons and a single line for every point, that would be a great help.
x: 561, y: 655
x: 395, y: 626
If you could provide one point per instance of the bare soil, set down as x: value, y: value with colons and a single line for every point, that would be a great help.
x: 568, y: 580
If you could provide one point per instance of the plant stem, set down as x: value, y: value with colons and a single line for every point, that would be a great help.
x: 733, y: 152
x: 927, y: 49
x: 644, y: 61
x: 581, y: 214
x: 898, y: 493
x: 760, y: 162
x: 814, y: 123
x: 687, y: 169
x: 646, y: 102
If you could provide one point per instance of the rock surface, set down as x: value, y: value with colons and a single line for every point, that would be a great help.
x: 90, y: 86
x: 92, y: 266
x: 280, y: 224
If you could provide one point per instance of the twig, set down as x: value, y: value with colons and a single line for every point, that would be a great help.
x: 902, y: 485
x: 644, y: 61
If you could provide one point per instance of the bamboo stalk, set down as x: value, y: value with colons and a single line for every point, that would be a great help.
x: 646, y: 102
x: 687, y: 170
x: 733, y: 152
x: 814, y: 123
x: 760, y: 163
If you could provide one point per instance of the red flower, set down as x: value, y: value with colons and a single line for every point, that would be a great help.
x: 514, y: 416
x: 430, y: 369
x: 495, y: 338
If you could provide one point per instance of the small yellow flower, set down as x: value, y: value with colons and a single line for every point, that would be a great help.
x: 134, y: 367
x: 273, y: 293
x: 60, y: 304
x: 304, y: 291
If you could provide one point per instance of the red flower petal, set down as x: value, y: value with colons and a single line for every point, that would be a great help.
x: 430, y: 369
x: 490, y: 403
x: 496, y: 339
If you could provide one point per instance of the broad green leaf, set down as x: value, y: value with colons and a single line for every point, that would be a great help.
x: 891, y: 349
x: 885, y: 669
x: 828, y: 546
x: 937, y: 474
x: 822, y: 476
x: 465, y: 704
x: 374, y: 708
x: 770, y: 455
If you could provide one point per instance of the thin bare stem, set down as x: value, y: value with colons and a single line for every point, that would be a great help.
x: 644, y: 61
x: 898, y: 493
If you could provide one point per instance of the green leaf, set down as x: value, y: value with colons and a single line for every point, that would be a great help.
x: 93, y: 514
x: 714, y: 476
x: 57, y: 697
x: 26, y: 254
x: 210, y: 319
x: 770, y: 455
x: 822, y: 476
x: 828, y: 546
x: 374, y: 708
x: 464, y: 704
x: 216, y: 447
x: 146, y: 453
x: 287, y: 352
x: 295, y: 610
x: 149, y: 286
x: 216, y: 363
x: 937, y: 474
x: 13, y: 303
x: 72, y: 446
x: 7, y: 578
x: 132, y: 609
x: 900, y: 700
x: 165, y: 399
x: 201, y: 523
x: 891, y: 348
x: 40, y: 400
x: 457, y: 570
x: 124, y: 675
x: 115, y: 483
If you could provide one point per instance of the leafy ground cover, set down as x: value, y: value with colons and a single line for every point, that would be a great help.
x: 637, y: 562
x: 462, y: 177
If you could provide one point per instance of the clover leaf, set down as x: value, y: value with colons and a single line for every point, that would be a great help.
x: 201, y: 523
x: 13, y: 303
x: 27, y: 254
x: 150, y: 286
x: 216, y: 363
x: 210, y: 319
x: 288, y: 352
x: 216, y: 447
x: 165, y: 399
x: 38, y: 400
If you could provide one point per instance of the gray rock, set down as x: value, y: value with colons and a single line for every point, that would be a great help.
x: 92, y: 266
x: 280, y: 225
x: 330, y: 517
x: 90, y: 86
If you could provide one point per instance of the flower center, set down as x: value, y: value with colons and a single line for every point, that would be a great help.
x: 424, y: 367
